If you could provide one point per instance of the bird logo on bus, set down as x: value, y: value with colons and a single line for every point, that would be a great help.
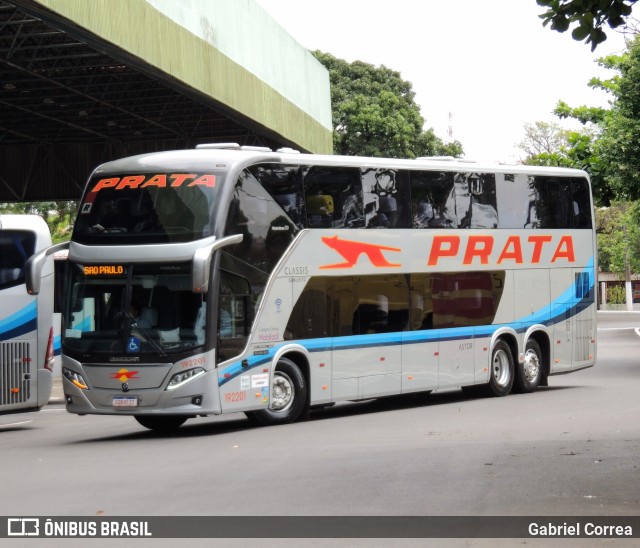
x: 124, y: 375
x: 351, y: 251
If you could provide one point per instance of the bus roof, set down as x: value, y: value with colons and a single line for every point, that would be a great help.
x: 19, y: 221
x: 211, y: 156
x: 28, y: 222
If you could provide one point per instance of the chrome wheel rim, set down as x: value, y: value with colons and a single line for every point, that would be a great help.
x: 282, y: 392
x: 500, y: 368
x: 531, y: 365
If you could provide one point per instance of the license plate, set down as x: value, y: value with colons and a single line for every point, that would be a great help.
x: 125, y: 401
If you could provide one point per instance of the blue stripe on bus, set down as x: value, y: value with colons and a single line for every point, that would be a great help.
x: 561, y: 309
x: 21, y: 322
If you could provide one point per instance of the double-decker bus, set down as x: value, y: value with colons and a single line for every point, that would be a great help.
x: 26, y: 321
x: 227, y: 278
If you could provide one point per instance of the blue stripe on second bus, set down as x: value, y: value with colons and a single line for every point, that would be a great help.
x: 21, y: 322
x: 562, y: 308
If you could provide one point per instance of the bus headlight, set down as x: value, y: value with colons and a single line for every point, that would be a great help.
x: 185, y: 376
x: 75, y: 378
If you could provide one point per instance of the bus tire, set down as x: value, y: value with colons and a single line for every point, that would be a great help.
x: 501, y: 375
x: 288, y: 396
x: 161, y: 423
x: 529, y: 372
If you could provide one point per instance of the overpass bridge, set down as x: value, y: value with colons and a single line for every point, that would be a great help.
x: 83, y: 82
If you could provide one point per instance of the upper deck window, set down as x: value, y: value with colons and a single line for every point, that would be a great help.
x: 147, y: 208
x: 453, y: 200
x: 528, y: 201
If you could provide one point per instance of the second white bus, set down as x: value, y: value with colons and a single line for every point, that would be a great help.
x: 26, y: 321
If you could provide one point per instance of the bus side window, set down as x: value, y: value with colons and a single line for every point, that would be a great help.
x: 476, y: 200
x: 267, y: 230
x: 384, y: 193
x: 371, y: 317
x: 555, y: 208
x: 284, y: 184
x: 516, y: 200
x: 381, y: 304
x: 432, y: 199
x: 309, y: 318
x: 333, y: 197
x: 581, y: 203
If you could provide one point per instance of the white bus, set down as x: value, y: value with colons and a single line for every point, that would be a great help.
x: 26, y: 321
x: 230, y: 278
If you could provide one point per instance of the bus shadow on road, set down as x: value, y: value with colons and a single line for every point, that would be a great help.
x: 237, y: 423
x: 410, y: 401
x: 189, y: 429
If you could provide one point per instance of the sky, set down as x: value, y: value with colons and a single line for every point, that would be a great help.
x: 480, y: 69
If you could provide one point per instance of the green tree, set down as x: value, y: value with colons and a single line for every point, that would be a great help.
x: 59, y: 216
x: 375, y: 114
x: 618, y: 233
x: 587, y: 17
x: 548, y: 144
x: 620, y: 139
x: 616, y: 148
x: 542, y: 138
x: 616, y: 294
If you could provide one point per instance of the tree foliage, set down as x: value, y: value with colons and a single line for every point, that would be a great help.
x: 614, y: 161
x: 374, y: 113
x: 587, y: 17
x: 618, y: 232
x: 616, y: 294
x: 59, y: 216
x: 613, y: 158
x: 620, y: 140
x: 543, y: 138
x: 548, y: 144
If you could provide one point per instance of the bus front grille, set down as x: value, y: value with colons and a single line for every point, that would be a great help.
x: 15, y: 372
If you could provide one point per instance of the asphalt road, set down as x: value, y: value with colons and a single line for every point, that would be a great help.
x: 572, y: 448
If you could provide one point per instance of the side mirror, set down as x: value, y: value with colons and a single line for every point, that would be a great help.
x: 35, y: 264
x: 201, y: 261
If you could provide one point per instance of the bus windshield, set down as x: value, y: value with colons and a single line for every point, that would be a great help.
x: 132, y: 309
x: 147, y: 208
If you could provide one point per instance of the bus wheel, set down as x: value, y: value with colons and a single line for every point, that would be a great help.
x: 161, y: 423
x: 529, y: 373
x: 288, y: 396
x: 502, y: 370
